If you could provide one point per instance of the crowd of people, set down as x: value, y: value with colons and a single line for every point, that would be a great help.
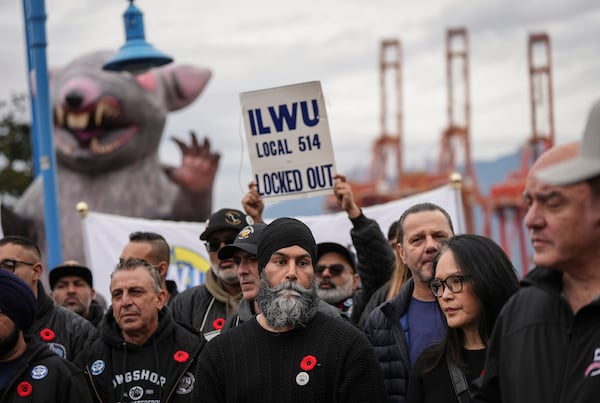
x: 422, y: 315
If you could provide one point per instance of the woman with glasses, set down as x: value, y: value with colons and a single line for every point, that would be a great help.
x: 473, y: 278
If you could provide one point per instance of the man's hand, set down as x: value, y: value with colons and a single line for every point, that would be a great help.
x: 344, y: 197
x: 253, y: 204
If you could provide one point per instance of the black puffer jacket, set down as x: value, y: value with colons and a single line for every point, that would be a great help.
x: 387, y: 336
x: 163, y: 369
x: 64, y: 331
x: 43, y: 377
x: 375, y: 261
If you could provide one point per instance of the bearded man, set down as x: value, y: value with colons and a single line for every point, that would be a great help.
x: 289, y: 352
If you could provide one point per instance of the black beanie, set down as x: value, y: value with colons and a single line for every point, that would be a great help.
x: 282, y: 233
x: 17, y: 301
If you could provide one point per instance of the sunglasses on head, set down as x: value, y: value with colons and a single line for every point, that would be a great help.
x: 213, y: 245
x: 334, y: 269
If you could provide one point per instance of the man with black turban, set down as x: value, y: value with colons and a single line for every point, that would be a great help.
x: 29, y: 371
x: 290, y: 352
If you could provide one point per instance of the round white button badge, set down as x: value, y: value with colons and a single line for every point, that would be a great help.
x: 302, y: 378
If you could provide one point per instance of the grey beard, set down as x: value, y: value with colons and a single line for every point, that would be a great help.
x: 281, y: 310
x: 335, y: 295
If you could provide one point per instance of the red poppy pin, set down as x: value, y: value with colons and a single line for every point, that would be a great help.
x: 181, y: 356
x: 47, y: 334
x: 24, y: 389
x: 218, y: 323
x: 308, y: 362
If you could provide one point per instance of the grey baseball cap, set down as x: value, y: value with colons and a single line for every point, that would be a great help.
x: 585, y: 165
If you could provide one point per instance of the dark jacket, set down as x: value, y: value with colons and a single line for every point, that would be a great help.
x: 375, y: 261
x: 377, y: 299
x: 43, y: 377
x: 163, y: 369
x: 64, y: 331
x: 96, y: 314
x: 387, y: 336
x: 539, y: 350
x: 198, y: 308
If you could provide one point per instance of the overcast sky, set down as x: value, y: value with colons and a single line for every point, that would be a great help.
x: 266, y: 43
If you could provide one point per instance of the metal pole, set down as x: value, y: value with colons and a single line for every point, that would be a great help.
x: 34, y: 139
x: 36, y: 26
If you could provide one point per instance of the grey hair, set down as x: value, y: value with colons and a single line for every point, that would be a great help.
x: 134, y: 263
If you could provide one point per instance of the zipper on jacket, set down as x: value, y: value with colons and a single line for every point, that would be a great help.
x: 178, y: 380
x: 89, y: 375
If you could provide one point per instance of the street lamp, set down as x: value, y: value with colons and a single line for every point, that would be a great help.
x: 136, y: 54
x: 42, y: 139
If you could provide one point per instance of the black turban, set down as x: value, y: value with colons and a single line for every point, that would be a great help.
x: 17, y: 301
x: 282, y: 233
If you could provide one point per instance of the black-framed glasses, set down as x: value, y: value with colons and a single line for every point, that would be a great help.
x: 454, y: 284
x: 11, y: 264
x: 334, y: 269
x: 213, y: 245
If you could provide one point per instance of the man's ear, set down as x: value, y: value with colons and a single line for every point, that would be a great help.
x: 401, y: 253
x: 37, y: 271
x: 355, y: 281
x: 162, y: 299
x: 163, y: 268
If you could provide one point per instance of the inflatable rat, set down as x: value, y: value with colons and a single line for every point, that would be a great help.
x: 107, y: 131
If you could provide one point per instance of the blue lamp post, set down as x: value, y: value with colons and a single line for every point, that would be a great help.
x: 137, y: 54
x: 43, y: 140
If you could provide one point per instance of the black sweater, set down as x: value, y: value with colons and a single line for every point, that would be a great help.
x: 249, y: 363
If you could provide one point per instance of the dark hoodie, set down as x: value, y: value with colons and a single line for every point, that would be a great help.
x: 65, y: 332
x: 39, y: 375
x: 161, y: 370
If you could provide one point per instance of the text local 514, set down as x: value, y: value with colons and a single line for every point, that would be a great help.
x: 294, y: 180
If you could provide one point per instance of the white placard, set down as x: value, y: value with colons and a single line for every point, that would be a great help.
x: 289, y: 141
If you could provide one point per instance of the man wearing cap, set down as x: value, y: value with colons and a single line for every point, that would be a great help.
x: 73, y: 288
x: 243, y: 252
x: 375, y: 258
x: 337, y: 279
x: 546, y: 341
x: 154, y: 249
x: 206, y: 307
x: 142, y: 354
x: 290, y: 351
x: 29, y: 371
x: 65, y: 332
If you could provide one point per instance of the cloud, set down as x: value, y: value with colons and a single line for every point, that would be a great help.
x: 265, y: 43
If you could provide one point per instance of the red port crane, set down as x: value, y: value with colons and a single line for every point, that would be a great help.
x: 506, y: 198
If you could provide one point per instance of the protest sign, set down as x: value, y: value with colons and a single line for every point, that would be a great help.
x: 289, y: 142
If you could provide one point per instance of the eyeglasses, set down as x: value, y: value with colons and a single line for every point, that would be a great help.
x: 11, y: 264
x: 454, y: 284
x: 213, y: 245
x: 334, y: 269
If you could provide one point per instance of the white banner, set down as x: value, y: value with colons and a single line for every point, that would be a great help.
x: 106, y: 234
